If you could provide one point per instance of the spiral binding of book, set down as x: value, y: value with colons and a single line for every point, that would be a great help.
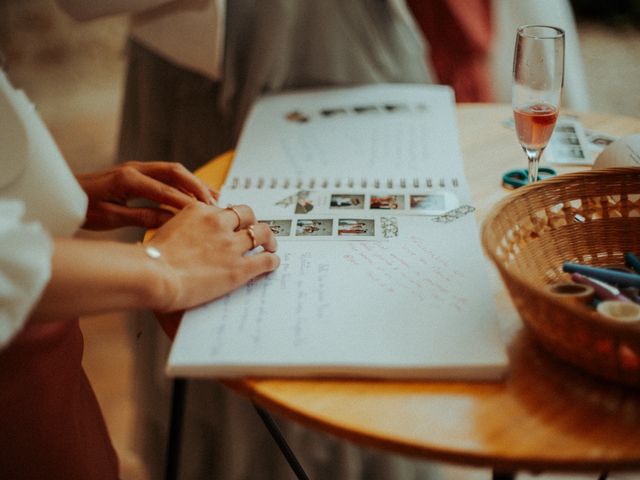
x: 337, y: 183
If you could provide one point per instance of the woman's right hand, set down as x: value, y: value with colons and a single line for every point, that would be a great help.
x: 204, y: 253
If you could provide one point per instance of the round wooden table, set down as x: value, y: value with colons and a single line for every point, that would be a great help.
x: 545, y: 416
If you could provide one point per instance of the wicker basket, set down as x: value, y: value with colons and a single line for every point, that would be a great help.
x: 590, y: 217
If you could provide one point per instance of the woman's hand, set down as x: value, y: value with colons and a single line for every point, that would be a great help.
x: 167, y: 184
x: 204, y: 254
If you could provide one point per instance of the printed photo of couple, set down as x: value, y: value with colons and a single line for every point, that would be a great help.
x: 280, y: 228
x: 361, y: 227
x: 314, y: 228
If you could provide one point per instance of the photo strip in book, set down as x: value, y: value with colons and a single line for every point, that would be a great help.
x: 344, y: 214
x: 341, y: 228
x: 316, y: 215
x: 303, y: 197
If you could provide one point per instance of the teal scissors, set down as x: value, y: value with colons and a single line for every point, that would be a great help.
x: 519, y: 177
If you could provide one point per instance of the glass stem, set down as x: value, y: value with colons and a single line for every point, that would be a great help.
x: 534, y: 160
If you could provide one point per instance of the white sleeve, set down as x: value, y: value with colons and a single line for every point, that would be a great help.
x: 91, y: 9
x: 25, y: 267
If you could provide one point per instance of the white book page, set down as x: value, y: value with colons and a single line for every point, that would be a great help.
x: 417, y: 308
x: 382, y: 131
x: 417, y: 304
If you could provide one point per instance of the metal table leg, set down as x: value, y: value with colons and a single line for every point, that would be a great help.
x: 275, y: 432
x: 500, y: 475
x: 174, y: 440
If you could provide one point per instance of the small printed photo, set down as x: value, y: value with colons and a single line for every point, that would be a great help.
x: 297, y: 116
x: 428, y: 202
x: 303, y: 205
x: 333, y: 112
x: 600, y: 140
x: 347, y: 201
x: 395, y: 107
x: 569, y: 139
x: 568, y: 154
x: 280, y: 228
x: 365, y: 109
x: 314, y: 228
x: 565, y: 128
x: 386, y: 202
x: 577, y: 152
x: 360, y: 227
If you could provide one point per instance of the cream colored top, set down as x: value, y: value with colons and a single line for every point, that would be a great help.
x: 189, y: 33
x: 39, y: 199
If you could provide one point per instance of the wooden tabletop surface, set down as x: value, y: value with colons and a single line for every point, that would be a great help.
x: 544, y: 416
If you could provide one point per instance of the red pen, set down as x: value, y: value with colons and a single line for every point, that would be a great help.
x: 603, y: 290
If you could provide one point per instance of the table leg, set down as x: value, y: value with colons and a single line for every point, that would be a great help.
x: 275, y: 432
x: 174, y: 440
x: 500, y: 475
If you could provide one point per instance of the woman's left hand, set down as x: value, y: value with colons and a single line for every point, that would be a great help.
x: 167, y: 184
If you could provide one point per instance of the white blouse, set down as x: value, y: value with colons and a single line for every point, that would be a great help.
x: 39, y: 199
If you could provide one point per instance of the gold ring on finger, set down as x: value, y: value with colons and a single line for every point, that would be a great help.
x: 252, y: 236
x: 234, y: 210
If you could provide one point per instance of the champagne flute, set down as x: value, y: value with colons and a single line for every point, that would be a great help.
x: 538, y: 76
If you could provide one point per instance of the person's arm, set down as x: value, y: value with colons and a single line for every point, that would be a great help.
x: 92, y: 277
x: 202, y: 257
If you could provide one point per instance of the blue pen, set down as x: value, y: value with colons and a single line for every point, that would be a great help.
x: 632, y: 261
x: 621, y: 279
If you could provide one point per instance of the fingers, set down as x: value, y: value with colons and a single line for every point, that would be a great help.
x: 260, y: 263
x: 256, y: 235
x: 111, y: 215
x: 143, y: 217
x: 253, y: 266
x: 136, y: 184
x: 248, y: 233
x: 177, y: 176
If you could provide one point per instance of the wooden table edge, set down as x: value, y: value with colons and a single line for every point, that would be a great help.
x: 250, y: 388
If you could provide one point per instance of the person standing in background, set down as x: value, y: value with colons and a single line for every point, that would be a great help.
x: 460, y: 35
x: 195, y: 67
x: 471, y: 45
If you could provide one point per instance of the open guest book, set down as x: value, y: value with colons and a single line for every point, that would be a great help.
x: 381, y: 274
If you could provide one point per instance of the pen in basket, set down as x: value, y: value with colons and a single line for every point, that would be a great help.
x: 632, y: 261
x: 621, y: 279
x: 603, y: 290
